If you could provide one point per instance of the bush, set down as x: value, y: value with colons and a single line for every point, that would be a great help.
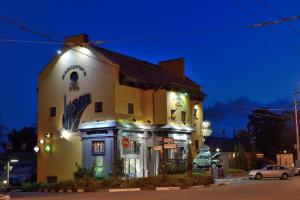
x: 158, y: 181
x: 26, y: 187
x: 118, y: 168
x: 112, y: 182
x: 82, y: 172
x: 172, y: 168
x: 89, y: 184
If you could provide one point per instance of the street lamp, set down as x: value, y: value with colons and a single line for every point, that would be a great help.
x: 217, y: 150
x: 8, y: 168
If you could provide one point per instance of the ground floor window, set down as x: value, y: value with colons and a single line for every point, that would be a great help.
x: 133, y: 147
x: 133, y: 165
x: 98, y: 147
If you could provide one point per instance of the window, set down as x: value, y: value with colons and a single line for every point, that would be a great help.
x: 196, y: 145
x: 269, y: 168
x: 173, y: 115
x: 195, y: 112
x: 52, y: 111
x: 149, y: 153
x: 98, y: 147
x: 130, y: 108
x: 133, y: 148
x: 183, y: 114
x: 98, y: 107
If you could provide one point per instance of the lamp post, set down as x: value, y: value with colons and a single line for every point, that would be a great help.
x: 8, y: 169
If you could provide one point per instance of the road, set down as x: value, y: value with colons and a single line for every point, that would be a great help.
x: 240, y: 190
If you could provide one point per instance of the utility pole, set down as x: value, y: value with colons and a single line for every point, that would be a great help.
x: 297, y: 129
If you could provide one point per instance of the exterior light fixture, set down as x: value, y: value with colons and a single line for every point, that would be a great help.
x: 14, y: 160
x: 47, y: 148
x: 42, y: 141
x: 48, y: 135
x: 36, y: 149
x: 218, y: 150
x: 59, y: 52
x: 284, y: 151
x: 5, y: 182
x: 65, y: 134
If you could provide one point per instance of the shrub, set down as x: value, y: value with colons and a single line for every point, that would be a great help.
x: 89, y: 184
x: 66, y: 185
x: 118, y: 168
x: 26, y: 187
x: 112, y: 182
x: 82, y: 172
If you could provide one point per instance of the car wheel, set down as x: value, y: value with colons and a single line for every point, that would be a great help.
x: 284, y: 176
x: 258, y: 177
x: 214, y: 165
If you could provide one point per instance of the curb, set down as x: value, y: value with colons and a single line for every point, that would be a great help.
x: 167, y: 188
x: 125, y: 190
x: 4, y: 197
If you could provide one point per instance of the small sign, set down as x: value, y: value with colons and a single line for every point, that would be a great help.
x: 168, y: 140
x: 170, y: 146
x: 125, y: 142
x: 157, y: 148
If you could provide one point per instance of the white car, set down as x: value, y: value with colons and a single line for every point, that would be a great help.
x: 271, y: 171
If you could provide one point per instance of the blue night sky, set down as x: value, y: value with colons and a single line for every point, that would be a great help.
x: 232, y: 62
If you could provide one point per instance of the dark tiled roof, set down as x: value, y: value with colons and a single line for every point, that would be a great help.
x: 143, y: 74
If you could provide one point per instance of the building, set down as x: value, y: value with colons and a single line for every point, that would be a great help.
x: 90, y: 99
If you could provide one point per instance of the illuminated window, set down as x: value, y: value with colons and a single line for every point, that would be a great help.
x: 52, y: 111
x: 98, y: 147
x: 173, y: 115
x: 195, y: 112
x: 183, y: 115
x: 133, y: 148
x: 98, y: 107
x: 130, y: 108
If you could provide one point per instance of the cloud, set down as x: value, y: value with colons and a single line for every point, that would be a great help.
x: 231, y: 114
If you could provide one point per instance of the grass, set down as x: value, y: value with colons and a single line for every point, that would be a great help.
x: 234, y: 171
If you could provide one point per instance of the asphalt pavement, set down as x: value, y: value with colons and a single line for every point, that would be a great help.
x: 235, y: 189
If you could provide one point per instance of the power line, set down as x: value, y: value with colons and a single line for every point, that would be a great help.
x: 252, y: 15
x: 264, y: 3
x: 26, y: 29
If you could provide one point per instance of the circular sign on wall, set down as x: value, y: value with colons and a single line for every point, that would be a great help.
x: 125, y: 142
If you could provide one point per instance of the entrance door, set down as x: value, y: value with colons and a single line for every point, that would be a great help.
x: 133, y: 166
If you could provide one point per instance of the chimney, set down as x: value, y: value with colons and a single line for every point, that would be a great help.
x: 74, y: 40
x: 174, y: 67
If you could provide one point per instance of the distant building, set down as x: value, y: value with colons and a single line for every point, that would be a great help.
x: 91, y: 100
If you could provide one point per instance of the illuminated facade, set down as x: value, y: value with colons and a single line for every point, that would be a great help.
x: 90, y: 98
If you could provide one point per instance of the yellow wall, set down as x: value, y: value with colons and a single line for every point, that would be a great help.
x: 196, y: 123
x: 99, y: 81
x: 179, y: 102
x: 102, y: 82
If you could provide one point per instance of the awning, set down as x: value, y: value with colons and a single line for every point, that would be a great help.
x: 102, y: 125
x: 173, y: 128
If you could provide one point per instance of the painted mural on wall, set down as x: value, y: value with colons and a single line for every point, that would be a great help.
x: 73, y: 112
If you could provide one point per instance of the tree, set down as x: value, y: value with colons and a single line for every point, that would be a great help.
x: 23, y: 140
x: 3, y: 133
x: 270, y: 132
x: 189, y: 161
x: 244, y: 138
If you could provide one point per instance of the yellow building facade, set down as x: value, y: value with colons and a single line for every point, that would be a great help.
x: 90, y: 99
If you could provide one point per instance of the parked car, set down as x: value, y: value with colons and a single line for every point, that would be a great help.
x: 271, y: 171
x: 204, y: 160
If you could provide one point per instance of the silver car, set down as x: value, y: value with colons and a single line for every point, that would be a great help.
x: 271, y: 171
